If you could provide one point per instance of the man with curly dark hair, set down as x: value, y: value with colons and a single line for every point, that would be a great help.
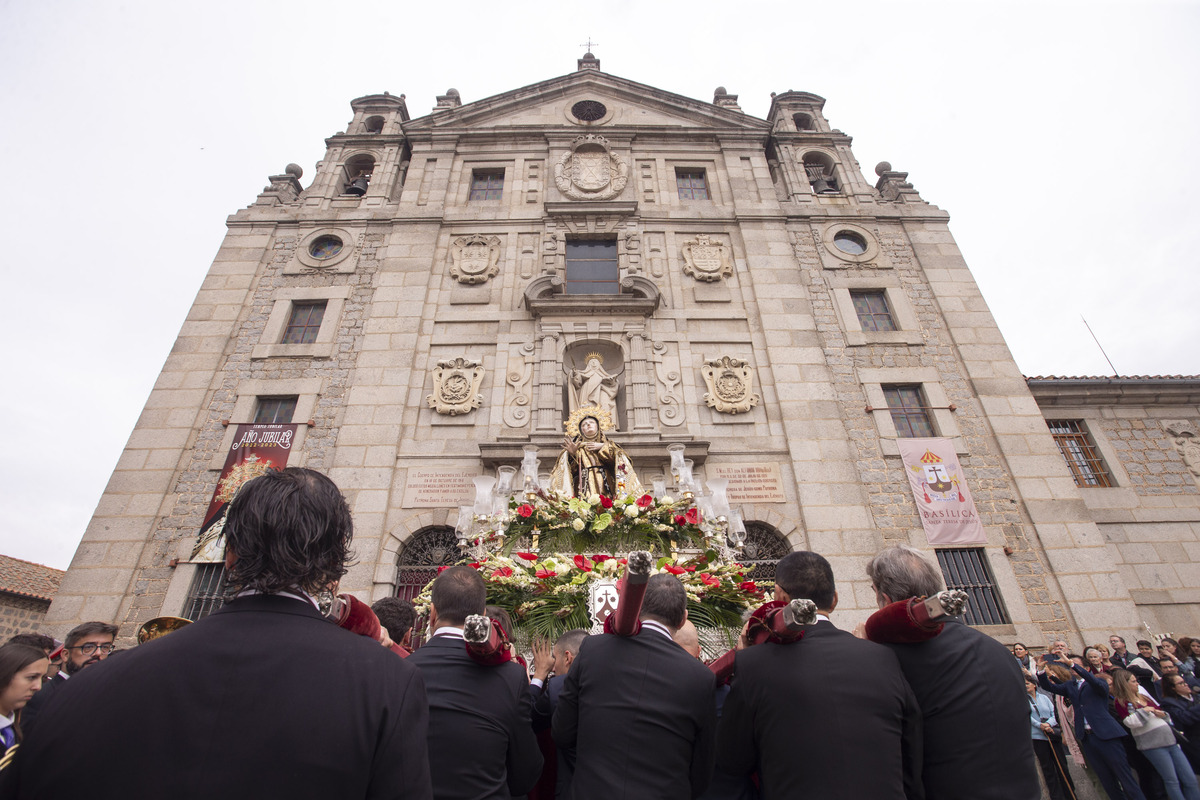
x: 265, y: 697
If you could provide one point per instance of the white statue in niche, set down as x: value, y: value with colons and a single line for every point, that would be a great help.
x: 594, y: 386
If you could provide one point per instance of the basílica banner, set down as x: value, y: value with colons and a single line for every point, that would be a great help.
x: 943, y: 500
x: 256, y: 448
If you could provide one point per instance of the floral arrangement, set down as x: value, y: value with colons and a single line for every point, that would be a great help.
x: 548, y: 595
x: 574, y: 525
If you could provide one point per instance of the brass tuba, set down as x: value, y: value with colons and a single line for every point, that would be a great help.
x: 160, y: 626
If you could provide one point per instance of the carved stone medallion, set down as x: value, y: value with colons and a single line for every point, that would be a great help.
x: 1183, y: 436
x: 730, y: 384
x: 474, y: 258
x: 590, y: 170
x: 706, y: 260
x: 456, y: 386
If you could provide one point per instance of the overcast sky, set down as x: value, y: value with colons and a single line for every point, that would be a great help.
x: 1059, y: 136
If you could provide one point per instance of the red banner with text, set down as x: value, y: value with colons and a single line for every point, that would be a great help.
x: 943, y: 500
x: 256, y: 448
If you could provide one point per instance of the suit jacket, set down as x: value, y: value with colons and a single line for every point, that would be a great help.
x: 481, y: 741
x: 1090, y: 698
x: 34, y: 707
x: 636, y: 715
x: 828, y: 716
x: 1121, y: 661
x: 975, y: 716
x: 262, y: 698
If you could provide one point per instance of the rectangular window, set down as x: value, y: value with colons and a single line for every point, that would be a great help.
x: 208, y: 591
x: 872, y: 310
x: 966, y: 568
x: 275, y: 410
x: 304, y: 322
x: 691, y: 184
x: 592, y: 267
x: 487, y: 184
x: 909, y: 414
x: 1080, y: 452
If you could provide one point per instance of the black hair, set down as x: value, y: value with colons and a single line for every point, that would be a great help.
x: 805, y: 575
x: 397, y: 615
x: 457, y: 593
x: 1141, y: 642
x: 1168, y: 686
x: 498, y: 614
x: 665, y: 600
x: 38, y: 640
x: 89, y: 629
x: 288, y: 529
x: 571, y: 641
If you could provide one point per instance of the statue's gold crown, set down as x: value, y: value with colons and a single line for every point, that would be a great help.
x: 595, y: 355
x: 602, y: 416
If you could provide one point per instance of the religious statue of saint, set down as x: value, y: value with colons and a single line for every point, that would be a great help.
x: 591, y: 464
x: 594, y: 386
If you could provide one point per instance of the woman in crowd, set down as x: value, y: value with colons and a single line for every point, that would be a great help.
x: 1047, y: 743
x: 1093, y: 661
x: 21, y: 671
x: 1169, y: 648
x: 1180, y: 702
x: 1189, y: 651
x: 1021, y: 653
x: 1154, y: 738
x: 1105, y: 652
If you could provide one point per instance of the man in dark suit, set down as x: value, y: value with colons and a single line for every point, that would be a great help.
x: 86, y: 644
x: 263, y: 698
x: 1097, y: 731
x: 481, y: 742
x: 636, y: 712
x: 828, y: 716
x: 971, y: 692
x: 1120, y: 657
x: 556, y: 772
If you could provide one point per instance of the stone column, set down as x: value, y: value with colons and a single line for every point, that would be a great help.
x: 549, y: 385
x: 638, y: 386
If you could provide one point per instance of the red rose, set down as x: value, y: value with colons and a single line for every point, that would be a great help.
x: 600, y: 558
x: 528, y: 556
x: 749, y: 586
x: 645, y: 501
x: 679, y: 520
x: 674, y: 570
x: 542, y: 574
x: 443, y: 569
x: 582, y: 563
x: 622, y: 560
x: 693, y: 515
x: 525, y: 510
x: 606, y: 501
x: 503, y: 572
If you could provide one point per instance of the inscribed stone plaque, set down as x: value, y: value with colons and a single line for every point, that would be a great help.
x: 750, y: 483
x: 430, y: 487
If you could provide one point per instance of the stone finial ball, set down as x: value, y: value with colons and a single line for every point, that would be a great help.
x: 294, y: 170
x: 882, y: 167
x: 720, y: 90
x: 452, y: 92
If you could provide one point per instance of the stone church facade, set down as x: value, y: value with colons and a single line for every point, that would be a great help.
x: 420, y: 306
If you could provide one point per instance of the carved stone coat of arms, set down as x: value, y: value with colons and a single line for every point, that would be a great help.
x: 474, y: 259
x: 730, y: 387
x: 590, y: 170
x: 706, y: 260
x: 456, y: 386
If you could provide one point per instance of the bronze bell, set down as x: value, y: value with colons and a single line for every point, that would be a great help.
x: 358, y: 186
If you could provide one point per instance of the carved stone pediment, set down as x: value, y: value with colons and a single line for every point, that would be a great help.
x: 456, y: 386
x: 590, y: 170
x: 730, y: 385
x: 706, y: 260
x: 474, y: 259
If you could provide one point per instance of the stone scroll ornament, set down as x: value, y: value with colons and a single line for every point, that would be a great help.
x: 474, y: 259
x: 706, y: 260
x: 590, y: 170
x: 730, y: 385
x: 456, y: 386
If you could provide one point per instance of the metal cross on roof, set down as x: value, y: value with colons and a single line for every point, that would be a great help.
x: 589, y: 44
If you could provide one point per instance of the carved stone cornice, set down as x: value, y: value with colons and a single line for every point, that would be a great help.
x: 639, y: 296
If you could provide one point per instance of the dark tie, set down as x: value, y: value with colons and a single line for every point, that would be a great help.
x: 6, y: 736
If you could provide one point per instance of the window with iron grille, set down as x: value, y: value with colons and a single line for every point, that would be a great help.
x: 275, y: 410
x: 304, y: 322
x: 592, y: 266
x: 1084, y: 461
x: 909, y: 414
x: 208, y: 591
x: 417, y: 564
x: 691, y: 184
x: 872, y: 310
x: 487, y: 184
x: 762, y: 550
x: 967, y: 568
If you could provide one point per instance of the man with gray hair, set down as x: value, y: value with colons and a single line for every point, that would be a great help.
x: 971, y: 693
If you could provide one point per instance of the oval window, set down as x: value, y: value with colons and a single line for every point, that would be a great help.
x: 850, y: 242
x: 325, y: 247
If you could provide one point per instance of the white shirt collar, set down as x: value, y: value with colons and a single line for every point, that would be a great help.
x: 5, y: 722
x: 446, y: 630
x: 295, y: 594
x: 658, y: 626
x: 821, y: 617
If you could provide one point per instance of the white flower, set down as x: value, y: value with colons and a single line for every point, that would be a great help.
x: 666, y: 500
x: 631, y: 511
x: 577, y: 524
x: 593, y: 500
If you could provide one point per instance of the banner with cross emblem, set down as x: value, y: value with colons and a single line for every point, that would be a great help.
x: 943, y: 500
